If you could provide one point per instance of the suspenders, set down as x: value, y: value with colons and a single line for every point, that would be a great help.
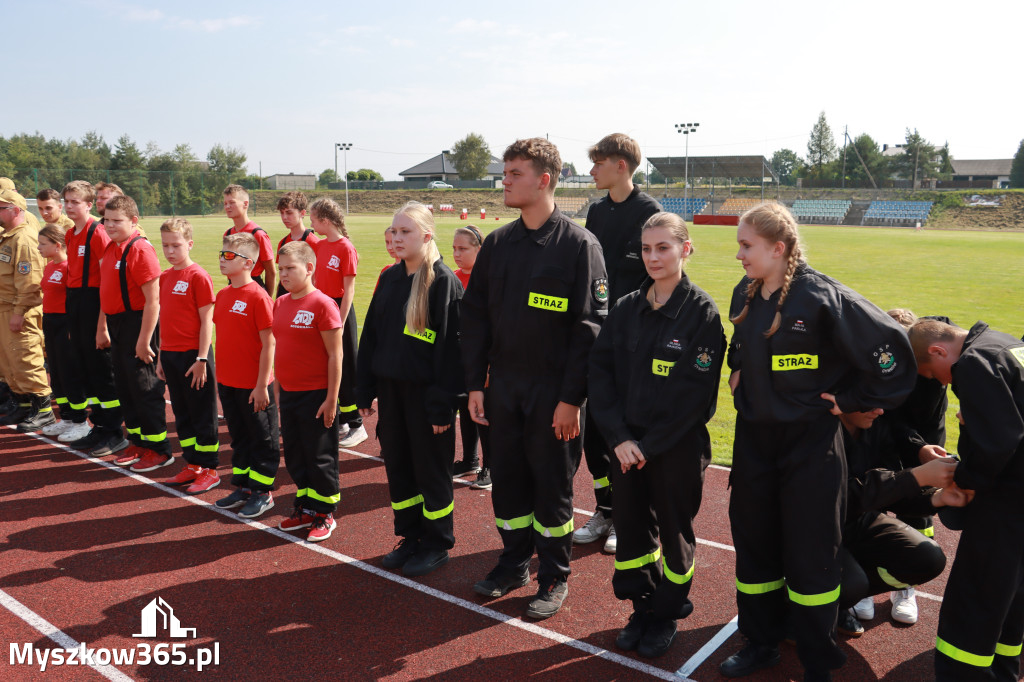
x: 123, y: 274
x: 88, y: 253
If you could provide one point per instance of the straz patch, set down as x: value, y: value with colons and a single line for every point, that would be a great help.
x: 661, y: 368
x: 786, y: 363
x: 705, y: 356
x: 1018, y: 353
x: 428, y: 335
x: 558, y: 305
x: 886, y: 359
x: 600, y: 289
x: 24, y: 267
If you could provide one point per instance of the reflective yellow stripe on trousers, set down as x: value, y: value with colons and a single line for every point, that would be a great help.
x: 957, y: 654
x: 760, y: 588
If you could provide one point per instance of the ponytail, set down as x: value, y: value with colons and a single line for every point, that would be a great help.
x: 418, y: 305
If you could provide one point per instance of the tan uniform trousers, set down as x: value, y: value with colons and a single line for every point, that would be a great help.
x: 21, y: 353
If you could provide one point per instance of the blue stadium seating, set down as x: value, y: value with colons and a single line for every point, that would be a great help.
x: 897, y: 212
x: 820, y: 210
x: 683, y: 207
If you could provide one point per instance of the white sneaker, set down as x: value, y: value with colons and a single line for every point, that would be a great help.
x: 904, y: 606
x: 611, y: 543
x: 354, y: 437
x: 75, y: 432
x: 864, y: 609
x: 57, y: 428
x: 597, y: 527
x: 343, y: 432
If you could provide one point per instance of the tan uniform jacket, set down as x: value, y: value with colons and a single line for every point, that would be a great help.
x: 21, y: 269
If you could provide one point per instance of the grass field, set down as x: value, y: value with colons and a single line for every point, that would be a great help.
x: 967, y: 276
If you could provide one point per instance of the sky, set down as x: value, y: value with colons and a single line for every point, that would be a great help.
x: 402, y: 81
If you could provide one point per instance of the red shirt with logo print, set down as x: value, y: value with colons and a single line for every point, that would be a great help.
x: 182, y: 293
x: 334, y: 262
x: 240, y: 314
x: 54, y: 287
x: 300, y: 356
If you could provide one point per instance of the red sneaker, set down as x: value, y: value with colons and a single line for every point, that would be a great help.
x: 322, y: 527
x: 186, y: 475
x: 207, y: 479
x: 130, y: 456
x: 150, y: 461
x: 300, y: 518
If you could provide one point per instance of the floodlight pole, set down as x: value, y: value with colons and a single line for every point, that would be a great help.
x: 344, y: 147
x: 686, y: 129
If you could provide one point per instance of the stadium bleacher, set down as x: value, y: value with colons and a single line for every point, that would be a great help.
x: 683, y: 207
x: 894, y: 212
x: 737, y: 206
x: 821, y: 210
x: 571, y: 205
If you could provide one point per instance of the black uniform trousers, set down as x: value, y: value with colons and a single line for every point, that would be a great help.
x: 981, y: 622
x: 310, y: 450
x: 255, y: 454
x: 659, y: 502
x: 599, y: 456
x: 418, y: 464
x: 141, y: 391
x: 881, y: 553
x: 347, y: 410
x: 195, y: 409
x: 64, y: 376
x: 786, y: 511
x: 96, y: 366
x: 472, y: 433
x: 532, y: 473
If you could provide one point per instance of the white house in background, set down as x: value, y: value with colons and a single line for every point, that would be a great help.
x: 291, y: 181
x: 441, y: 168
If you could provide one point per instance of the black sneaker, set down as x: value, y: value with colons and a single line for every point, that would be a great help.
x: 629, y: 636
x: 22, y: 411
x: 258, y: 503
x: 549, y: 600
x: 848, y: 624
x: 658, y: 637
x: 109, y: 445
x: 750, y: 659
x: 424, y: 562
x: 403, y: 551
x: 483, y: 480
x: 464, y: 467
x: 500, y: 582
x: 235, y: 499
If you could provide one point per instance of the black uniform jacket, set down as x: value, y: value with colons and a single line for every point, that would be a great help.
x: 617, y: 227
x: 989, y: 380
x: 534, y: 306
x: 654, y: 374
x: 388, y: 349
x: 876, y: 479
x: 831, y: 340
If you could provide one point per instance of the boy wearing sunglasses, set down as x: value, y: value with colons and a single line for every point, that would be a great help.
x: 243, y: 316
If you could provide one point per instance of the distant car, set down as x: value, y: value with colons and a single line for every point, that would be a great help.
x: 437, y: 184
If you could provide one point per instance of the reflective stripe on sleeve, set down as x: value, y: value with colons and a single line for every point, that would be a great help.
x: 957, y: 654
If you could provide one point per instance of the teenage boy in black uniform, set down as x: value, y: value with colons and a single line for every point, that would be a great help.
x: 531, y: 314
x: 981, y: 622
x: 616, y: 221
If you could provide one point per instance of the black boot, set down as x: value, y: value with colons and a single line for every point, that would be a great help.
x: 22, y: 410
x: 41, y: 415
x: 5, y: 392
x: 9, y: 404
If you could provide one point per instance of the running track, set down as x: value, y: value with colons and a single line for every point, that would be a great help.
x: 87, y: 545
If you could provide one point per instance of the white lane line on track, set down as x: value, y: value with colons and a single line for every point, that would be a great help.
x: 532, y: 628
x: 705, y: 651
x: 50, y: 631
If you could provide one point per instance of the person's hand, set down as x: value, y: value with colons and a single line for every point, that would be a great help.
x: 832, y: 399
x: 160, y: 371
x: 566, y: 421
x: 440, y: 429
x: 960, y: 417
x: 476, y: 407
x: 102, y: 339
x: 938, y: 473
x: 366, y: 412
x: 198, y: 373
x: 259, y: 398
x: 929, y: 452
x: 144, y: 352
x: 328, y: 410
x: 734, y: 381
x: 629, y: 455
x: 16, y: 323
x: 952, y: 497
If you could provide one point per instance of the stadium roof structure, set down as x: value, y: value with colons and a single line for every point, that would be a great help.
x: 714, y: 166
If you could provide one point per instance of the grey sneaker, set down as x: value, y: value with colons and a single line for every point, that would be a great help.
x: 109, y: 446
x: 236, y: 499
x: 258, y: 503
x: 549, y: 600
x: 500, y: 582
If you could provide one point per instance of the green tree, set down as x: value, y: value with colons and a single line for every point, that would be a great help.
x: 876, y: 164
x: 821, y: 148
x: 327, y: 177
x: 1017, y: 167
x: 639, y: 178
x: 364, y: 174
x: 127, y: 155
x: 919, y: 160
x: 226, y: 159
x: 471, y: 156
x: 945, y: 163
x: 786, y: 164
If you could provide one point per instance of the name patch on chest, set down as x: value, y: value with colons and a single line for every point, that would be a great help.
x: 785, y: 363
x: 428, y: 335
x: 661, y: 368
x: 543, y: 302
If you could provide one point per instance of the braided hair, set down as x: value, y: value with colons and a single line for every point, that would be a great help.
x: 773, y: 222
x: 328, y: 209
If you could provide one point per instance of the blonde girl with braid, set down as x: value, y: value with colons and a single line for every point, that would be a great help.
x: 804, y: 350
x: 409, y: 360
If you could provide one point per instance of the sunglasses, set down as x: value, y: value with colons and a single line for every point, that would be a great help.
x: 232, y: 255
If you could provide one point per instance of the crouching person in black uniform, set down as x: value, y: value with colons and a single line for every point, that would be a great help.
x: 531, y: 314
x: 409, y: 360
x: 882, y: 553
x: 981, y: 622
x: 653, y: 386
x: 798, y: 336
